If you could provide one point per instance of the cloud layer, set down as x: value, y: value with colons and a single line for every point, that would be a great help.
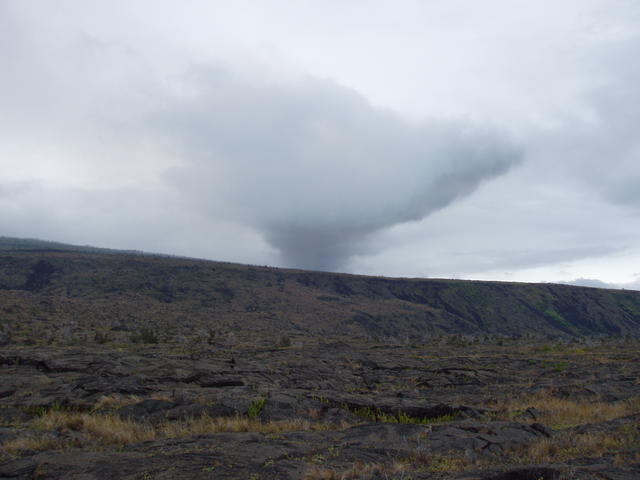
x: 452, y: 140
x: 308, y: 164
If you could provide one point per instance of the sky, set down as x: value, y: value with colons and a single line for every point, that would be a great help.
x: 494, y: 140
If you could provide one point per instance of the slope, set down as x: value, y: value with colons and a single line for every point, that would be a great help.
x: 75, y: 293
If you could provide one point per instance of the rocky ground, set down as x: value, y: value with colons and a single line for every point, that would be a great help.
x: 326, y: 409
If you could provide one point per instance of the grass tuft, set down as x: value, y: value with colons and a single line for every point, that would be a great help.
x: 256, y: 407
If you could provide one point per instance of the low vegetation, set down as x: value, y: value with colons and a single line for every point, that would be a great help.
x: 561, y: 412
x: 561, y: 448
x: 60, y: 430
x: 377, y: 415
x: 568, y: 446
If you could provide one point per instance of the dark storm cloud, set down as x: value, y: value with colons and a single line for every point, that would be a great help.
x: 316, y: 168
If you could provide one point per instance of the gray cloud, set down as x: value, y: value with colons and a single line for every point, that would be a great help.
x: 315, y: 167
x: 308, y: 164
x: 106, y: 140
x: 602, y: 148
x: 127, y: 218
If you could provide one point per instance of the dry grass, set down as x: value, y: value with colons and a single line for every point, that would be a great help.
x: 357, y: 471
x: 558, y: 449
x: 314, y: 413
x: 31, y: 443
x: 558, y: 412
x: 454, y: 462
x: 205, y: 425
x: 116, y: 401
x: 567, y: 446
x: 99, y: 430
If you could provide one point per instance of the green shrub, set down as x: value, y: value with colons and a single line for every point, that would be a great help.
x: 256, y: 407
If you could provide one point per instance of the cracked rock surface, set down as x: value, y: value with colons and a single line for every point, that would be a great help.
x: 324, y: 410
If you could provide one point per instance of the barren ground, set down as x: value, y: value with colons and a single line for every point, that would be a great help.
x: 321, y: 409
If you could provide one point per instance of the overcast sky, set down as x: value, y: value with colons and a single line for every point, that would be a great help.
x: 485, y: 140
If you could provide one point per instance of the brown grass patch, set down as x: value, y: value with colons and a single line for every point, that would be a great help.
x: 567, y: 446
x: 31, y: 443
x: 116, y: 401
x: 558, y: 449
x: 558, y: 412
x: 357, y: 471
x: 205, y: 425
x: 454, y: 462
x: 99, y: 430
